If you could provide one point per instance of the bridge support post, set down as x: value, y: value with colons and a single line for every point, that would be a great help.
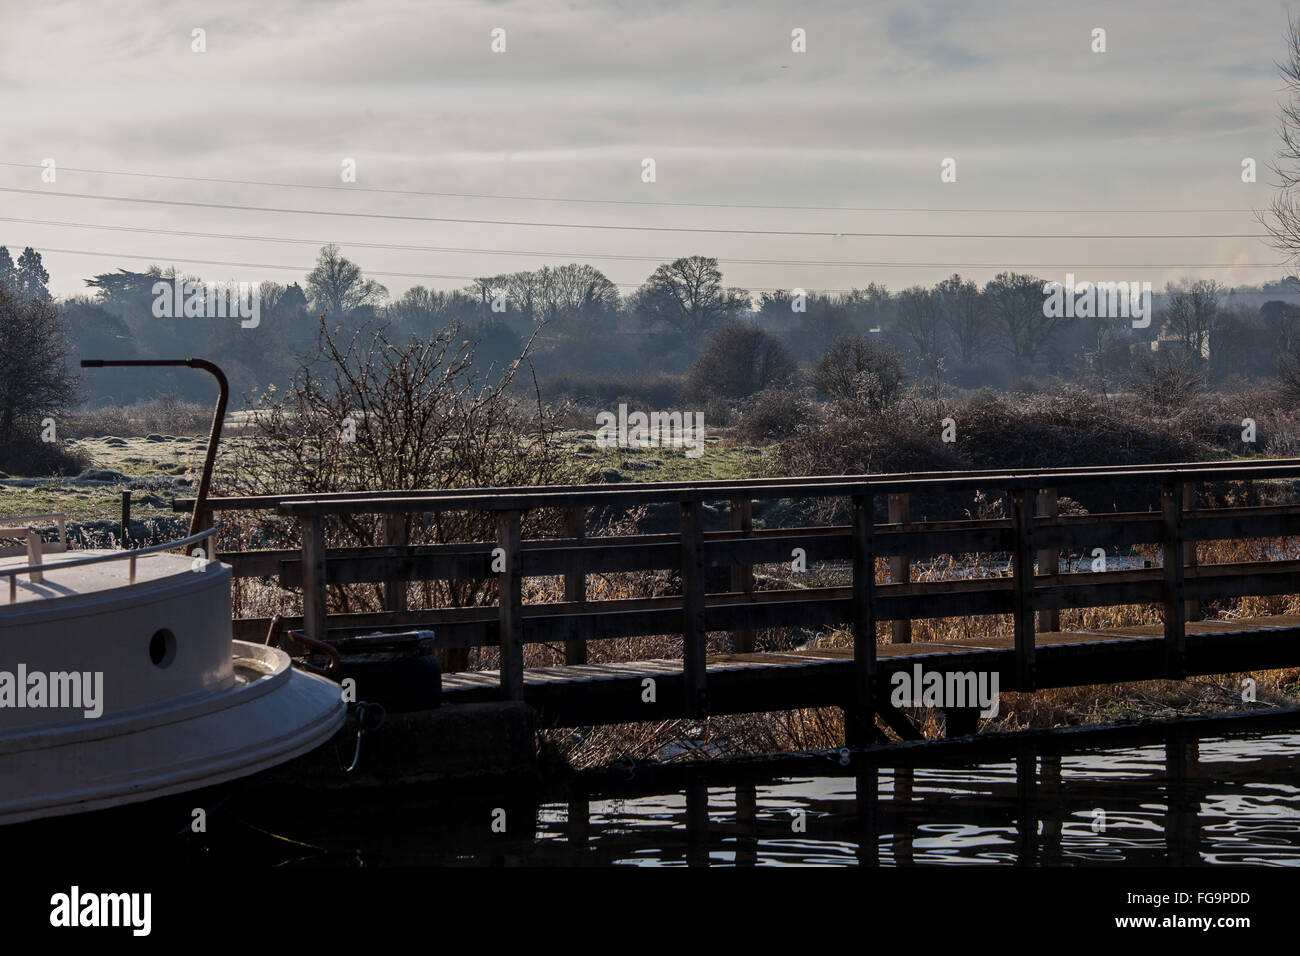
x: 1191, y: 609
x: 961, y: 721
x: 314, y: 608
x: 510, y: 607
x: 1022, y: 526
x: 900, y: 566
x: 742, y: 575
x: 694, y: 635
x: 1049, y: 559
x: 395, y: 537
x: 1171, y: 506
x: 859, y: 718
x: 575, y: 585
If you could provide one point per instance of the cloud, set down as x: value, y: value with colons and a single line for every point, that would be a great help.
x: 586, y: 90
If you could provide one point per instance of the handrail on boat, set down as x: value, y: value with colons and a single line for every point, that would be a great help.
x: 130, y: 556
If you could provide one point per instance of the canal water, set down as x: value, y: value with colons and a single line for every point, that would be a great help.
x: 1213, y: 801
x: 1167, y: 797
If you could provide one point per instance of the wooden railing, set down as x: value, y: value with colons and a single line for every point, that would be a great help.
x: 1031, y: 532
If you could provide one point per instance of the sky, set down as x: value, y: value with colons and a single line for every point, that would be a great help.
x: 1051, y: 140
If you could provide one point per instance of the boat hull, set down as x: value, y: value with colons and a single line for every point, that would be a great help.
x: 272, y: 714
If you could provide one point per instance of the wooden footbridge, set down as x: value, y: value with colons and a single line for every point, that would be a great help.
x: 1029, y: 540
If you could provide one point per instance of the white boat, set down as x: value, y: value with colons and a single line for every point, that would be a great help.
x: 120, y: 681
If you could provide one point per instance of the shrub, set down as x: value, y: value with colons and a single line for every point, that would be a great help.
x: 774, y: 414
x: 645, y: 390
x: 28, y: 455
x: 1168, y: 380
x: 739, y: 360
x: 860, y: 373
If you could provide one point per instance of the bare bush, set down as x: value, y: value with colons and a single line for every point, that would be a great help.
x: 373, y: 415
x: 738, y: 361
x: 775, y: 413
x: 1169, y: 379
x: 859, y: 373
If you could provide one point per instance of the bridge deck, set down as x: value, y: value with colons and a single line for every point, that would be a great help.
x: 822, y: 676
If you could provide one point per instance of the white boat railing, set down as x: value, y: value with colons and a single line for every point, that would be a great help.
x: 37, y: 570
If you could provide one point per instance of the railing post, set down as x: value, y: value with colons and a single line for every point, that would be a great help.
x: 395, y: 592
x: 860, y: 717
x: 1049, y: 559
x: 575, y: 585
x: 126, y: 519
x: 510, y: 603
x: 314, y: 608
x: 1191, y: 609
x: 742, y: 575
x: 900, y: 566
x: 34, y: 553
x: 1171, y: 506
x: 694, y: 650
x: 1022, y: 525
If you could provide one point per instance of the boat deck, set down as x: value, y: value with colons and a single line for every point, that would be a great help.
x: 85, y: 579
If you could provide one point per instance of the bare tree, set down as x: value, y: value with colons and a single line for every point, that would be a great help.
x: 922, y: 323
x: 337, y: 285
x: 1016, y: 307
x: 1192, y: 313
x: 965, y: 313
x: 687, y: 296
x: 1283, y: 219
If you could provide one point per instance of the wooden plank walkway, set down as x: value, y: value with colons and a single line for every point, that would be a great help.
x: 573, y: 695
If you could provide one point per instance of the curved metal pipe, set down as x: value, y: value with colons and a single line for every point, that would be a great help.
x: 199, y: 518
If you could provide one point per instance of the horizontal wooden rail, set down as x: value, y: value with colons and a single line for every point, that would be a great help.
x: 726, y: 549
x: 737, y: 488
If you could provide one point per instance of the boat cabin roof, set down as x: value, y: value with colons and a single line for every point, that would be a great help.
x: 88, y: 578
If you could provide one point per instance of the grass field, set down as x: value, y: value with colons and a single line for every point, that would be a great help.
x: 157, y: 468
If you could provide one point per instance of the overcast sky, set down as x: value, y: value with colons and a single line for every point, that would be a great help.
x: 585, y: 91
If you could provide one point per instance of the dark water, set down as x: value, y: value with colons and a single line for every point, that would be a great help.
x: 1182, y: 801
x: 1177, y: 801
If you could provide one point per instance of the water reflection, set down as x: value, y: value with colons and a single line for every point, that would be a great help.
x: 1183, y: 802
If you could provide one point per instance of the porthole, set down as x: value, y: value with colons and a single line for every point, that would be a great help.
x: 162, y: 647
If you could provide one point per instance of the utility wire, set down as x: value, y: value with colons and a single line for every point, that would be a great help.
x: 820, y: 233
x: 611, y: 202
x: 642, y: 258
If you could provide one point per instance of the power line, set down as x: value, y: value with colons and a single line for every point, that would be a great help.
x: 642, y: 258
x: 611, y: 202
x: 823, y: 233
